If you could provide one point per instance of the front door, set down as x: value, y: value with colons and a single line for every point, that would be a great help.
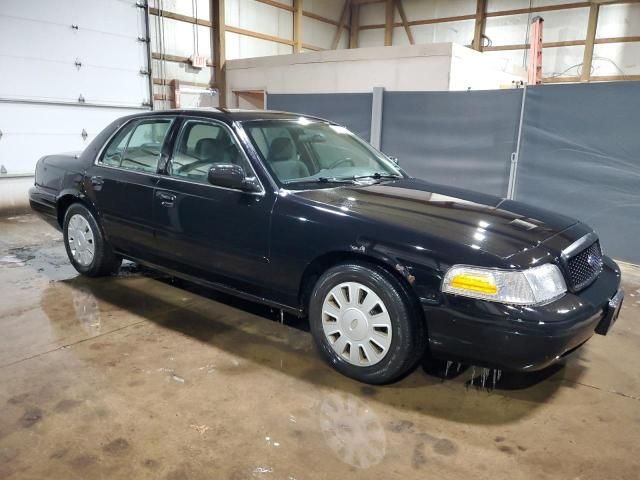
x: 217, y: 233
x: 122, y: 182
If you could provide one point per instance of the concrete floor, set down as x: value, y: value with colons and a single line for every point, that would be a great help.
x: 135, y: 377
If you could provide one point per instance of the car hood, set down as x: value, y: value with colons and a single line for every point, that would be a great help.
x: 483, y: 222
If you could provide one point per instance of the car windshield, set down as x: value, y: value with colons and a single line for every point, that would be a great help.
x: 303, y: 151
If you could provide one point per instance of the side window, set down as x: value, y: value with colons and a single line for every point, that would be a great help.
x: 115, y: 151
x: 201, y: 145
x: 138, y: 146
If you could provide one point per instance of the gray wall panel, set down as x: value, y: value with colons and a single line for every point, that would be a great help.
x: 353, y: 110
x: 455, y: 138
x: 580, y: 156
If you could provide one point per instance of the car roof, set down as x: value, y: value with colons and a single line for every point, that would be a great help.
x: 232, y: 115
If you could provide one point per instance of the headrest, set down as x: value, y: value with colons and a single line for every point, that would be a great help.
x: 281, y: 149
x: 208, y: 149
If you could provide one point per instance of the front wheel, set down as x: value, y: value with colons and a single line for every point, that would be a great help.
x: 364, y: 323
x: 87, y: 249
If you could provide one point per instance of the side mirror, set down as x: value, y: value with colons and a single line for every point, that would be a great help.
x: 229, y: 175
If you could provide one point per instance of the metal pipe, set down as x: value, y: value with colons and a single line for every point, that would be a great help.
x: 149, y: 60
x: 515, y: 156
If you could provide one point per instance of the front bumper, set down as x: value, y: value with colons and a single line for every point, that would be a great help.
x: 522, y: 338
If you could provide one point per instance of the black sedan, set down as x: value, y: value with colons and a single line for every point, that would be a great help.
x: 302, y: 215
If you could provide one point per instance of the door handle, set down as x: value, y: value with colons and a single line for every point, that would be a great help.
x: 166, y: 199
x: 97, y: 182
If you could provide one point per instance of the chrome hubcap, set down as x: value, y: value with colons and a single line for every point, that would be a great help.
x: 80, y: 239
x: 356, y: 324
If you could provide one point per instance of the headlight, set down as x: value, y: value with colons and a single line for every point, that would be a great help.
x: 521, y: 287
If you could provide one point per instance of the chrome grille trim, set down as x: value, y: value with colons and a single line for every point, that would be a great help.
x: 579, y: 245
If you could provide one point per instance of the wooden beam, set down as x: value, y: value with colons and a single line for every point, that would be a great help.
x: 341, y: 24
x: 297, y: 26
x: 478, y: 32
x: 273, y: 3
x: 320, y: 18
x: 566, y: 43
x: 594, y: 78
x: 607, y: 78
x: 219, y: 56
x: 315, y: 48
x: 546, y: 8
x: 163, y: 97
x: 522, y: 46
x: 421, y: 22
x: 355, y: 27
x: 592, y: 26
x: 388, y: 24
x: 261, y: 36
x: 617, y: 40
x: 405, y: 24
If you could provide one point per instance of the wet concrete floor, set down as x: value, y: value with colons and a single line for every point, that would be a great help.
x: 136, y: 376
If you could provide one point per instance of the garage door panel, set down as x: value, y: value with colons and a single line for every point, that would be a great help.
x: 70, y: 45
x: 95, y: 84
x: 48, y: 12
x: 119, y: 17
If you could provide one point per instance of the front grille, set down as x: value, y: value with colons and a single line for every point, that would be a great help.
x: 584, y: 267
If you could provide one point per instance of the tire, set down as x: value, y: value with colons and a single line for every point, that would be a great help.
x: 102, y: 260
x: 356, y: 320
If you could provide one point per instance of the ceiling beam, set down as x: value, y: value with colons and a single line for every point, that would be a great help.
x: 478, y: 32
x: 592, y: 26
x: 421, y: 22
x: 297, y: 26
x: 405, y: 24
x: 273, y: 3
x: 355, y: 25
x: 261, y: 36
x: 388, y: 25
x: 341, y: 24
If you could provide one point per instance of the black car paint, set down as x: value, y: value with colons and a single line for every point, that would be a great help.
x: 270, y: 245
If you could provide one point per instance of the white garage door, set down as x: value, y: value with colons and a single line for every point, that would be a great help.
x: 67, y: 69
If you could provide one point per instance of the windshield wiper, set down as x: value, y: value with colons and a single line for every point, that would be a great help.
x: 321, y: 180
x: 335, y: 180
x: 377, y: 176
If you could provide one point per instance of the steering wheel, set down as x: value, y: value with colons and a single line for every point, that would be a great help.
x: 340, y: 162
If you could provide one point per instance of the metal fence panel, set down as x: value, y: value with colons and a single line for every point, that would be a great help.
x: 580, y: 155
x: 463, y: 139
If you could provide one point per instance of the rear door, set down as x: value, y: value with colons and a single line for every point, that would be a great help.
x: 122, y: 181
x: 217, y: 233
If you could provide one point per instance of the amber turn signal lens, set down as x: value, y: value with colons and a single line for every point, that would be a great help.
x: 474, y: 283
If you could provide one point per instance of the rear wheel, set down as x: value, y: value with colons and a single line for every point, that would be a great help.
x: 364, y: 323
x: 86, y: 246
